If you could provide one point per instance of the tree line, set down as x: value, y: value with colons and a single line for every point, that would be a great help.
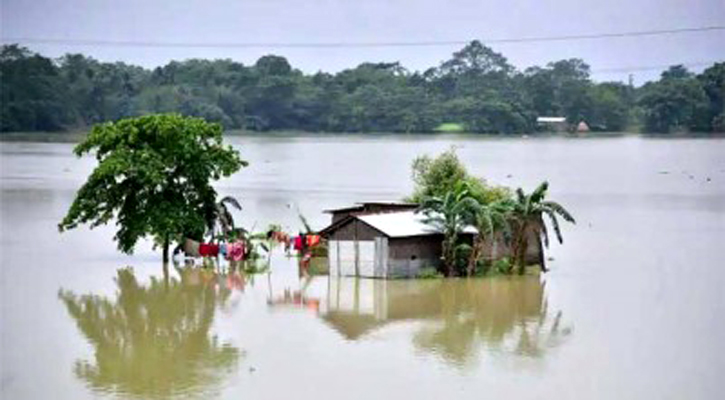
x: 476, y: 89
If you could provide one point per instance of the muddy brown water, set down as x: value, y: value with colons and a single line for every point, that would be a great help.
x: 633, y: 307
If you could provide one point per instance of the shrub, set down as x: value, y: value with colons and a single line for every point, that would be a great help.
x: 429, y: 273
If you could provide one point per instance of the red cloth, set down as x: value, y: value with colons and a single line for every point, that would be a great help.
x: 208, y: 250
x: 298, y: 243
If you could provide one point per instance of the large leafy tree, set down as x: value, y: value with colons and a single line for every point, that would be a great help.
x: 527, y: 217
x: 31, y: 92
x: 154, y: 177
x: 436, y: 176
x: 713, y: 82
x: 676, y: 102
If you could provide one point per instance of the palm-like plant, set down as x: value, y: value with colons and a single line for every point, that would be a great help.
x: 222, y: 216
x: 448, y: 215
x: 527, y: 215
x: 489, y: 219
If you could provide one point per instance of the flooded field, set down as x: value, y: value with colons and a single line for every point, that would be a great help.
x: 632, y: 308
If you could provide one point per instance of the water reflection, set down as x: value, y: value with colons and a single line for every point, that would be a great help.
x: 153, y: 341
x: 456, y: 318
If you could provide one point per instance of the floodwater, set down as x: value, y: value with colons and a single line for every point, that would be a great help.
x: 633, y: 307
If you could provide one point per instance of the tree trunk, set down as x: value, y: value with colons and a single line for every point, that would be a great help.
x: 542, y: 259
x: 166, y: 250
x: 515, y: 249
x: 449, y: 256
x: 475, y: 253
x: 522, y: 256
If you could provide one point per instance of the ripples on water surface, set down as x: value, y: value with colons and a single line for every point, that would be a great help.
x: 633, y: 306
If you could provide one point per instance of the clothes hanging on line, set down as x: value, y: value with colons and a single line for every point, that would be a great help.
x: 236, y: 251
x: 298, y: 240
x: 313, y: 240
x: 208, y: 250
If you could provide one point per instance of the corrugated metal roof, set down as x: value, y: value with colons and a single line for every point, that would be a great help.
x: 403, y: 224
x: 362, y: 205
x: 551, y: 119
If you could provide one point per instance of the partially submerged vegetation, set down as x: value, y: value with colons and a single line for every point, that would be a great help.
x: 452, y: 200
x: 154, y: 178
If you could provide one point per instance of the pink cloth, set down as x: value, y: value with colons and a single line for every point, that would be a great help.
x: 235, y: 251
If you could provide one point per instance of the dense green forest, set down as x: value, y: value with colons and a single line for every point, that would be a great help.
x: 477, y: 88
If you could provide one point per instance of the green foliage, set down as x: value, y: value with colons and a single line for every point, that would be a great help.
x: 527, y: 213
x: 713, y: 83
x: 428, y: 273
x: 448, y: 127
x: 223, y: 220
x: 434, y: 177
x: 489, y: 220
x: 31, y: 92
x: 679, y: 102
x: 476, y: 90
x: 502, y: 266
x: 318, y: 266
x: 447, y: 215
x: 153, y: 177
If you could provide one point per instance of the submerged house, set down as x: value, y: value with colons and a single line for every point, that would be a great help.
x: 381, y: 241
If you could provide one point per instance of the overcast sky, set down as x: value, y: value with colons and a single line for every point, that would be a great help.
x: 324, y: 21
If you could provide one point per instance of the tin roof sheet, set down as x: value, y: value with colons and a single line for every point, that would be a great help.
x: 403, y: 224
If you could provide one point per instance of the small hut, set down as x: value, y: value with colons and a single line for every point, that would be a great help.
x: 582, y: 127
x: 552, y: 124
x: 396, y: 244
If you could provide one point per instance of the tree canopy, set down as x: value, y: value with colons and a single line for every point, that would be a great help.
x: 153, y: 177
x: 443, y: 174
x: 476, y: 88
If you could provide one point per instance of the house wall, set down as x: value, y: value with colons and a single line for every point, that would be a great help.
x: 406, y: 256
x: 355, y: 230
x: 355, y: 250
x: 497, y: 249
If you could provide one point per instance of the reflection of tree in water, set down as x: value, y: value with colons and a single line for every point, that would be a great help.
x: 153, y: 341
x: 507, y: 314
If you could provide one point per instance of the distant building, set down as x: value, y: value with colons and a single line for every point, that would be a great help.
x: 552, y: 124
x: 582, y: 127
x: 389, y: 243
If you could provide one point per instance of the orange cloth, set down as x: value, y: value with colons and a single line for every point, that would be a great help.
x: 313, y: 240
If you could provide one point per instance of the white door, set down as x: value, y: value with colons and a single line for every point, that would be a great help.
x: 381, y: 257
x: 333, y: 260
x: 346, y: 255
x: 366, y: 258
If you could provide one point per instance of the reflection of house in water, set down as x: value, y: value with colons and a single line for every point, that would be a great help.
x: 456, y: 317
x: 384, y: 240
